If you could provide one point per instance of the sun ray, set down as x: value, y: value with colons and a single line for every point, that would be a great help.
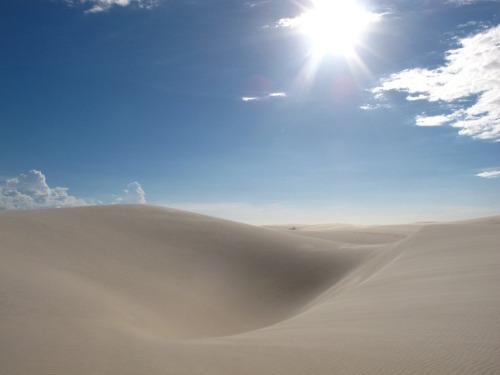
x: 333, y: 28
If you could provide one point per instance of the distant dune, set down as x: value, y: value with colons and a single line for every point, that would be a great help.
x: 143, y: 290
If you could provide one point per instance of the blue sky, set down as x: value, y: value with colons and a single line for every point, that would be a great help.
x: 232, y: 109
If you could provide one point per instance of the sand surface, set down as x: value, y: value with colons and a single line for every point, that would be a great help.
x: 147, y: 290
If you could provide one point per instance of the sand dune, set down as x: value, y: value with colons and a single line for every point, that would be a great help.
x: 353, y: 234
x: 148, y: 290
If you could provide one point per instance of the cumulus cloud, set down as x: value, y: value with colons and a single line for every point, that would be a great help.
x: 31, y: 190
x: 467, y: 86
x: 133, y: 194
x: 263, y: 97
x: 96, y: 6
x: 489, y: 174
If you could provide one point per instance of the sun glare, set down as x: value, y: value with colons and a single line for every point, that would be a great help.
x: 334, y: 26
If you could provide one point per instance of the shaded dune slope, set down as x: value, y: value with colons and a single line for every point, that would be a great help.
x: 145, y: 290
x: 165, y: 272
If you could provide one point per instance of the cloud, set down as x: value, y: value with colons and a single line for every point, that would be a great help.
x: 438, y: 120
x: 371, y: 107
x: 253, y: 4
x: 133, y: 194
x: 263, y: 97
x: 412, y: 98
x: 277, y: 95
x: 468, y: 2
x: 289, y: 23
x: 467, y: 87
x: 97, y: 6
x: 489, y: 174
x: 294, y: 22
x: 249, y: 98
x: 31, y: 190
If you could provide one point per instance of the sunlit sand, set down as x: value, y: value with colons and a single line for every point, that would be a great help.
x: 149, y: 290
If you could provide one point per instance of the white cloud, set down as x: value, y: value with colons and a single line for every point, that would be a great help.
x: 249, y: 98
x: 438, y: 120
x: 253, y: 4
x: 412, y: 98
x: 263, y: 97
x: 489, y: 174
x: 31, y: 190
x: 293, y: 22
x: 132, y: 194
x: 97, y: 6
x: 371, y: 107
x: 289, y: 23
x: 468, y: 2
x: 469, y: 79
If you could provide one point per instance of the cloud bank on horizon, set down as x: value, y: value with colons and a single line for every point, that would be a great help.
x: 466, y: 88
x: 30, y: 191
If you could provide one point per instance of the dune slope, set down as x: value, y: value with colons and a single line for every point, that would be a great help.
x: 147, y: 290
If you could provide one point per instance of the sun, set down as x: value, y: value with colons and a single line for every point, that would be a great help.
x: 334, y: 26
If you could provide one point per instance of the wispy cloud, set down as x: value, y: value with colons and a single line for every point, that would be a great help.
x: 31, y: 190
x: 97, y: 6
x: 249, y: 98
x: 277, y: 95
x: 424, y: 120
x: 467, y: 86
x: 489, y: 174
x: 468, y: 2
x: 289, y: 23
x: 371, y: 107
x: 263, y: 97
x: 253, y: 4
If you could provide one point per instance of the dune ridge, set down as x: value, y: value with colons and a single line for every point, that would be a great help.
x: 149, y: 290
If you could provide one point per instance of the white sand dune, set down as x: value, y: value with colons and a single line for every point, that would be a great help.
x: 147, y: 290
x: 353, y: 234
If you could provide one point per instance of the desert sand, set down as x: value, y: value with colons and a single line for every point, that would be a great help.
x: 148, y: 290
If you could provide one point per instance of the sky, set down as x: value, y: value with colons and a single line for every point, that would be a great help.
x: 257, y: 111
